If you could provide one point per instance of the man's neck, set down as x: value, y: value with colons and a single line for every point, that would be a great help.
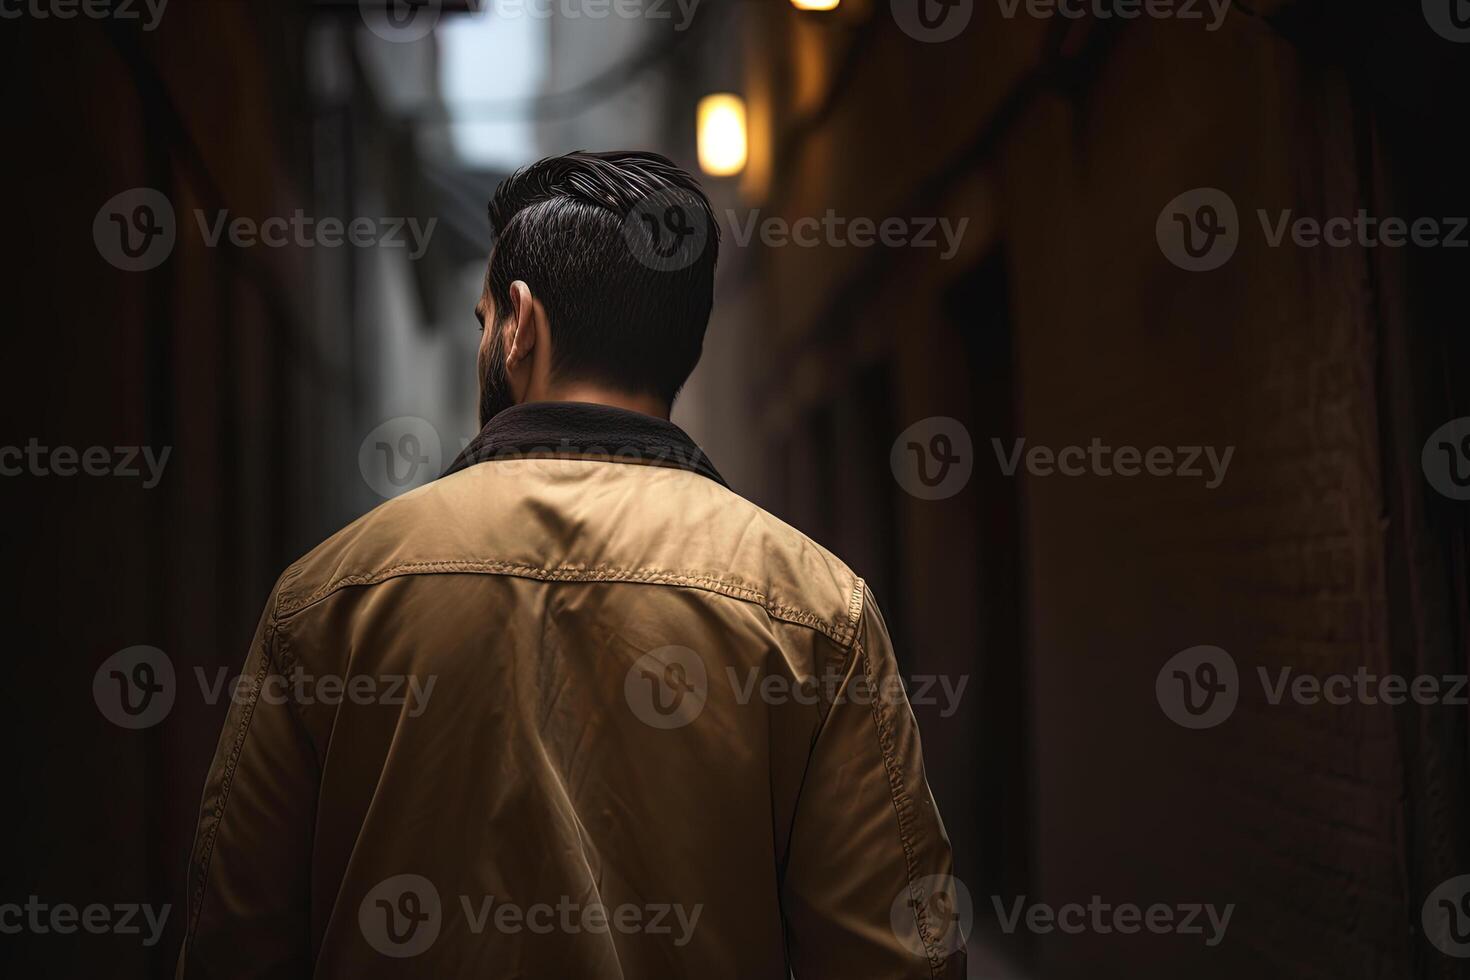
x: 580, y: 391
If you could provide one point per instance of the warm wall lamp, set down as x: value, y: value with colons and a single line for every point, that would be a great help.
x: 815, y: 4
x: 722, y: 140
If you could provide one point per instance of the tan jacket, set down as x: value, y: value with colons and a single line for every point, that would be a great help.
x: 573, y: 710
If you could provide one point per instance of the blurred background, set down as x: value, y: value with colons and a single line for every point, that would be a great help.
x: 1093, y: 237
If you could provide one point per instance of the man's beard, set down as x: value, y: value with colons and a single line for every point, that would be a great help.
x: 495, y: 393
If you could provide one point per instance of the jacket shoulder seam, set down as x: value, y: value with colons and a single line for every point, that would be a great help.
x: 903, y: 810
x: 855, y: 609
x: 227, y: 776
x: 841, y: 633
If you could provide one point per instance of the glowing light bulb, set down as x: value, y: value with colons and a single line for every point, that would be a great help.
x: 722, y: 138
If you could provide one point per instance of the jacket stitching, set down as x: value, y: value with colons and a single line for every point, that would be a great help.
x: 839, y: 633
x: 855, y: 607
x: 227, y: 778
x: 903, y: 809
x: 288, y: 662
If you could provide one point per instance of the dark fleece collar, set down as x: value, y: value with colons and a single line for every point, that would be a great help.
x: 583, y: 430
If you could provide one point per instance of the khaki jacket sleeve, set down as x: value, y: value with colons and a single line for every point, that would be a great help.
x: 868, y: 888
x: 249, y: 870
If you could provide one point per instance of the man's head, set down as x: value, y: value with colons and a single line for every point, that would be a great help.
x: 601, y: 279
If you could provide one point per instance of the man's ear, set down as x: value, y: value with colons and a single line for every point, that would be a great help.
x: 522, y: 326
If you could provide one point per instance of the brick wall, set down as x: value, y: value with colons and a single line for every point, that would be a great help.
x: 1063, y: 143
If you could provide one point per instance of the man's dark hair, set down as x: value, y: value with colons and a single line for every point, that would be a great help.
x: 620, y: 248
